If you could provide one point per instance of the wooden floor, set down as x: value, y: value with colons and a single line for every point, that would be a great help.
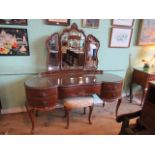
x: 53, y: 123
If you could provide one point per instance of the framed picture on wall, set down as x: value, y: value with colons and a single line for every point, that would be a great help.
x: 13, y: 21
x: 90, y: 23
x: 146, y: 34
x: 61, y: 22
x: 14, y: 42
x: 123, y: 22
x: 120, y: 37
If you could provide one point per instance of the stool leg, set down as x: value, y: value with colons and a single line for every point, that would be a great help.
x: 84, y: 110
x: 90, y: 112
x: 37, y: 113
x: 67, y: 114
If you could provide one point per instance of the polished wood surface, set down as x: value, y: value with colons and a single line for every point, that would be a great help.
x: 141, y: 77
x: 71, y: 81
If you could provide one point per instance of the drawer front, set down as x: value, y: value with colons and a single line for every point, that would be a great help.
x: 140, y: 77
x: 78, y: 91
x: 151, y: 77
x: 42, y: 97
x: 111, y: 91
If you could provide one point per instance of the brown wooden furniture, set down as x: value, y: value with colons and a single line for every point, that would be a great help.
x: 72, y: 49
x: 43, y: 91
x: 141, y: 77
x: 145, y: 123
x: 0, y: 106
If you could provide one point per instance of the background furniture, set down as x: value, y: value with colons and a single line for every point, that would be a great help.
x: 141, y: 77
x: 145, y: 122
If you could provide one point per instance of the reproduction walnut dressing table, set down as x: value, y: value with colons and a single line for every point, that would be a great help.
x: 142, y: 76
x: 71, y: 71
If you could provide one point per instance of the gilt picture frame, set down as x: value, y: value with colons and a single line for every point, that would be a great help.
x: 120, y: 37
x: 123, y: 22
x: 90, y: 23
x: 13, y: 22
x: 146, y: 35
x: 14, y: 42
x: 59, y: 22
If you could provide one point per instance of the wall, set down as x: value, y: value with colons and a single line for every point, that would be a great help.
x: 14, y: 70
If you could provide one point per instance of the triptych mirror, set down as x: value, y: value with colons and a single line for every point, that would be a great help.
x: 72, y: 49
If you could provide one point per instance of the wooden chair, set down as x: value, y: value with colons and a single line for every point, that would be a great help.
x: 145, y: 122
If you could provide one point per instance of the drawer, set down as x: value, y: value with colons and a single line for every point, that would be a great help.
x: 151, y: 78
x: 41, y: 92
x: 78, y: 91
x: 111, y: 95
x: 111, y: 91
x: 111, y: 86
x: 42, y: 102
x: 41, y: 97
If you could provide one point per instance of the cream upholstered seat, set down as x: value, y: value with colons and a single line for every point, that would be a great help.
x: 78, y: 102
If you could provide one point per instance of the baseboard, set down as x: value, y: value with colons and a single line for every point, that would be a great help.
x: 13, y: 110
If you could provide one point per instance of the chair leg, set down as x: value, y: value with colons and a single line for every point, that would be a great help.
x: 90, y: 112
x: 117, y: 106
x: 125, y: 124
x: 67, y: 114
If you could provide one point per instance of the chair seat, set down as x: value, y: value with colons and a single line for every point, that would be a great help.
x: 78, y: 102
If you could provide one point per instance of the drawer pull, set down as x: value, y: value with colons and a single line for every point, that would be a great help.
x: 45, y: 103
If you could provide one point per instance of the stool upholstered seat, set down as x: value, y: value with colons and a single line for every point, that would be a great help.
x: 78, y: 102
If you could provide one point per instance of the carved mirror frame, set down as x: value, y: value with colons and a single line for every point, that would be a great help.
x: 92, y: 47
x: 73, y: 28
x: 55, y: 54
x: 90, y: 42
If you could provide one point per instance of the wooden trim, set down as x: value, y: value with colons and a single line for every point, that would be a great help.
x: 58, y: 23
x: 112, y: 23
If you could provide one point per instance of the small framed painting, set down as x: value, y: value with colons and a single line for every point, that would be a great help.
x: 13, y: 21
x: 14, y: 42
x: 123, y: 22
x: 61, y: 22
x: 120, y: 37
x: 90, y: 23
x: 146, y: 34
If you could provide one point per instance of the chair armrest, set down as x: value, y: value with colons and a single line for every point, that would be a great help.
x: 122, y: 117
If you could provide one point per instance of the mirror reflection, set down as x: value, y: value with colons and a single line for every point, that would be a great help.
x: 73, y: 48
x: 92, y: 46
x: 52, y: 44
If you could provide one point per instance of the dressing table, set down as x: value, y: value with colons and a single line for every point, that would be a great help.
x: 71, y: 71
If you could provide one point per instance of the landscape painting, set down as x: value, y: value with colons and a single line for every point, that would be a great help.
x: 13, y: 42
